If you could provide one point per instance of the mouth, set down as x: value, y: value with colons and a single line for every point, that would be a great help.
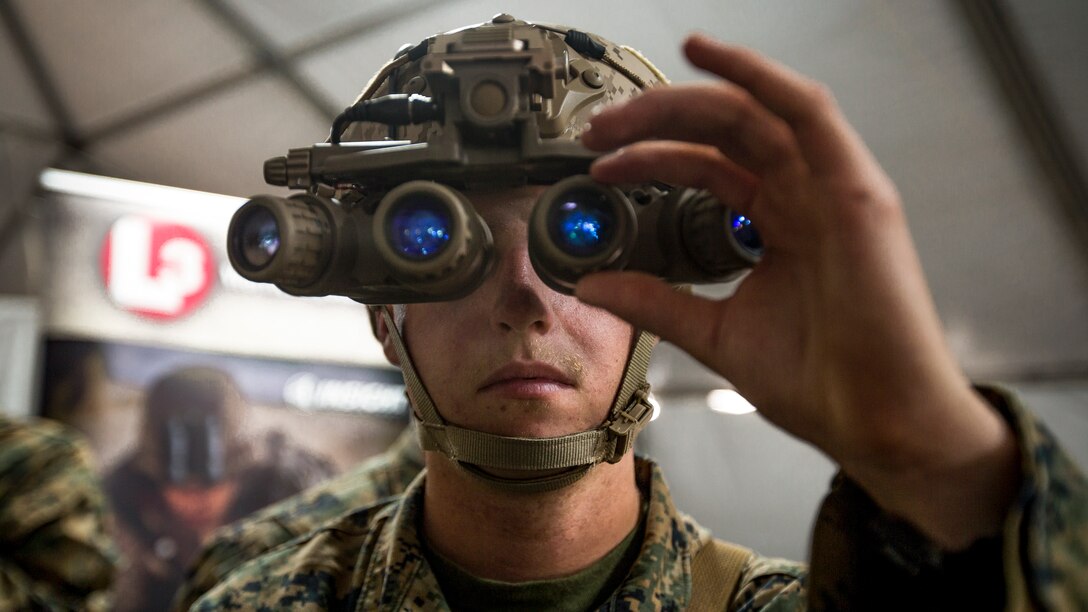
x: 527, y: 380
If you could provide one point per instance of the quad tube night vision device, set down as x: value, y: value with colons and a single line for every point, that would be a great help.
x: 385, y: 219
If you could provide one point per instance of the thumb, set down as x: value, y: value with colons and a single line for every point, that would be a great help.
x: 647, y: 302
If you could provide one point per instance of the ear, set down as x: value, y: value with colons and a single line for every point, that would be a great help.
x: 381, y: 332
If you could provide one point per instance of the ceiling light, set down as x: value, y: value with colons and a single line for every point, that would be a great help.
x: 135, y: 192
x: 728, y: 401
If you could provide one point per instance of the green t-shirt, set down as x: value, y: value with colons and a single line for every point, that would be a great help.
x: 575, y: 593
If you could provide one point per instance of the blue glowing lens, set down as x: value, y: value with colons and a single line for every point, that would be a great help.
x: 746, y: 233
x: 581, y: 223
x: 259, y: 239
x: 419, y: 228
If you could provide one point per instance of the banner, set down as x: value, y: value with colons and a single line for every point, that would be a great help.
x: 205, y: 396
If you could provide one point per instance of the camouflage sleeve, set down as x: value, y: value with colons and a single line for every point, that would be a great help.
x: 1046, y: 536
x: 271, y: 582
x: 771, y: 585
x: 311, y: 573
x: 864, y: 557
x: 57, y: 553
x: 233, y: 545
x: 379, y: 477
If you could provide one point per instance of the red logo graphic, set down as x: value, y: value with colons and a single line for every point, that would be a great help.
x: 156, y: 269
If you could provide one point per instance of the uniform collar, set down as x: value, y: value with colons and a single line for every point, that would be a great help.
x: 394, y: 573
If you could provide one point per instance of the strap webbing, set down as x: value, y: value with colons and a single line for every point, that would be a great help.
x: 421, y: 400
x: 540, y: 484
x: 715, y: 574
x: 634, y: 379
x: 523, y: 453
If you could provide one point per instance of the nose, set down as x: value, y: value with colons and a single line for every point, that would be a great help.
x: 522, y: 302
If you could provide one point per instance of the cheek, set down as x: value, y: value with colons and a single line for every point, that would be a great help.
x: 605, y: 344
x: 429, y: 335
x: 606, y: 341
x: 448, y: 348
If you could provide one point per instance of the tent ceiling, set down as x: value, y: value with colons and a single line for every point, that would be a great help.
x: 198, y: 93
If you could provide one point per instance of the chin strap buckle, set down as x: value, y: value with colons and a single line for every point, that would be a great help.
x: 629, y: 421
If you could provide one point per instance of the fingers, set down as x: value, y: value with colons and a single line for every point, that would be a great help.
x: 827, y: 141
x: 787, y: 94
x: 765, y: 116
x: 651, y: 304
x: 717, y: 114
x: 680, y: 163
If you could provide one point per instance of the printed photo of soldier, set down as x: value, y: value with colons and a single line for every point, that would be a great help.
x: 190, y: 472
x: 185, y: 442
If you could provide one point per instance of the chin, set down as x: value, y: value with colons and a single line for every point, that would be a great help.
x: 532, y: 419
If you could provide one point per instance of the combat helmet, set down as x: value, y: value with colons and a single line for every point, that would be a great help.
x: 189, y: 434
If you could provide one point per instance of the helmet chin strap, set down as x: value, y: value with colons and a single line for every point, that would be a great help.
x: 573, y: 455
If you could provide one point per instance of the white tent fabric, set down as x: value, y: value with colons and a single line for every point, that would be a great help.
x: 19, y: 324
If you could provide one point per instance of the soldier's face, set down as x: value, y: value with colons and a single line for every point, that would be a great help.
x: 515, y: 357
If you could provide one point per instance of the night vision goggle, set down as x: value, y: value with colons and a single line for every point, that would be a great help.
x: 423, y: 241
x: 387, y: 221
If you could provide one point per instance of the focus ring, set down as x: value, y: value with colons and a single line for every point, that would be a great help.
x: 308, y: 253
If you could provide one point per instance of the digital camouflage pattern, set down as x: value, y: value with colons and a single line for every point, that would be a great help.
x: 371, y: 559
x: 375, y: 479
x: 863, y: 558
x: 55, y: 550
x: 1049, y: 526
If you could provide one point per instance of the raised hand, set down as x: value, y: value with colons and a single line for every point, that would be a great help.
x: 833, y: 335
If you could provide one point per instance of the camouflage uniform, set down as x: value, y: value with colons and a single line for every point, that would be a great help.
x: 372, y: 559
x: 55, y: 552
x: 378, y: 478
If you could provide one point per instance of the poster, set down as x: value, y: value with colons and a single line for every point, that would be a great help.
x: 188, y: 441
x: 204, y: 396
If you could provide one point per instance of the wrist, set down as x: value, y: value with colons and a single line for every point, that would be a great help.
x: 955, y: 479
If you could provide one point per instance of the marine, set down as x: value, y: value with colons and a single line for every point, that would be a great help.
x: 56, y: 550
x: 391, y: 569
x: 521, y: 307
